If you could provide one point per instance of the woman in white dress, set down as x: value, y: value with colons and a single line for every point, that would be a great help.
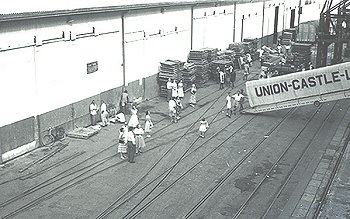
x: 148, y: 125
x: 140, y: 141
x: 193, y: 100
x: 180, y: 90
x: 134, y: 121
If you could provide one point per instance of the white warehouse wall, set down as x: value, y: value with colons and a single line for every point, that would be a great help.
x: 55, y: 73
x: 213, y: 27
x: 154, y: 36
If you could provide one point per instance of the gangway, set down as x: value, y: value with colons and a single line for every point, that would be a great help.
x: 301, y: 88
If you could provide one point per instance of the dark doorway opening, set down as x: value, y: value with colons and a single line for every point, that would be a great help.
x: 292, y: 18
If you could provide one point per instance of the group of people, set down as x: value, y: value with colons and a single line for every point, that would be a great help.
x: 174, y: 89
x: 131, y: 140
x: 238, y: 99
x: 94, y: 109
x: 176, y: 106
x: 226, y: 75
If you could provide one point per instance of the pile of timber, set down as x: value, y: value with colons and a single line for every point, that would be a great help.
x: 200, y: 59
x: 189, y: 75
x: 169, y: 69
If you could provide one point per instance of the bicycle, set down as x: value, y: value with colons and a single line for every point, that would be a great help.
x: 53, y: 135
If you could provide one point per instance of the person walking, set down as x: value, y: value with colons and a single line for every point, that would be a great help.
x: 238, y: 101
x: 222, y: 79
x: 122, y: 143
x: 180, y: 90
x: 228, y: 105
x: 139, y: 140
x: 203, y: 127
x: 104, y: 114
x: 193, y: 92
x: 148, y: 125
x: 93, y: 112
x: 131, y: 144
x: 172, y: 110
x: 134, y: 121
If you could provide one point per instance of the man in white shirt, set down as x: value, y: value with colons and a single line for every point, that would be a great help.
x: 169, y: 86
x: 104, y: 113
x: 93, y: 112
x: 238, y: 99
x: 131, y: 144
x: 222, y: 79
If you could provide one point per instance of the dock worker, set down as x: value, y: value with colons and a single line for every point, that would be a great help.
x: 93, y: 112
x: 222, y: 78
x: 131, y: 144
x: 169, y: 85
x: 104, y: 113
x: 238, y: 101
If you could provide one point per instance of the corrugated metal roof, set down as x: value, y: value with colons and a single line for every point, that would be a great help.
x: 20, y: 9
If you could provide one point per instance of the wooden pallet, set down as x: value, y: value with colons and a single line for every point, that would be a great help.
x: 84, y: 133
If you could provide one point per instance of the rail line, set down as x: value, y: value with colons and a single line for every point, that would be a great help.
x: 197, y: 163
x: 322, y: 201
x: 108, y: 210
x: 269, y: 172
x: 87, y: 168
x: 226, y: 176
x: 63, y: 186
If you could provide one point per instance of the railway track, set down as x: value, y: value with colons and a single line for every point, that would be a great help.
x: 276, y: 163
x: 131, y: 214
x: 63, y: 175
x: 63, y: 186
x: 166, y: 172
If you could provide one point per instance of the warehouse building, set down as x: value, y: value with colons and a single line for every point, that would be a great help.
x: 58, y: 57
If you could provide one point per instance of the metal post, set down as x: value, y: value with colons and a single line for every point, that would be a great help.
x: 263, y: 23
x: 234, y: 21
x: 299, y: 12
x: 191, y: 27
x: 242, y: 28
x: 123, y: 48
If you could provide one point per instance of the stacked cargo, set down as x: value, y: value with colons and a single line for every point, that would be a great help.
x: 222, y: 64
x: 169, y: 69
x: 288, y: 36
x: 301, y: 54
x: 189, y: 75
x: 238, y: 49
x: 200, y: 59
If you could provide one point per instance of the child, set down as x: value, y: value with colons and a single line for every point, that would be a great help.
x: 148, y: 124
x: 203, y: 127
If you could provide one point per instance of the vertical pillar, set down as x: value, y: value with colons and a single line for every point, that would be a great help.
x: 299, y: 13
x: 123, y: 48
x: 263, y: 23
x: 192, y: 27
x: 234, y: 21
x: 0, y: 153
x: 242, y: 29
